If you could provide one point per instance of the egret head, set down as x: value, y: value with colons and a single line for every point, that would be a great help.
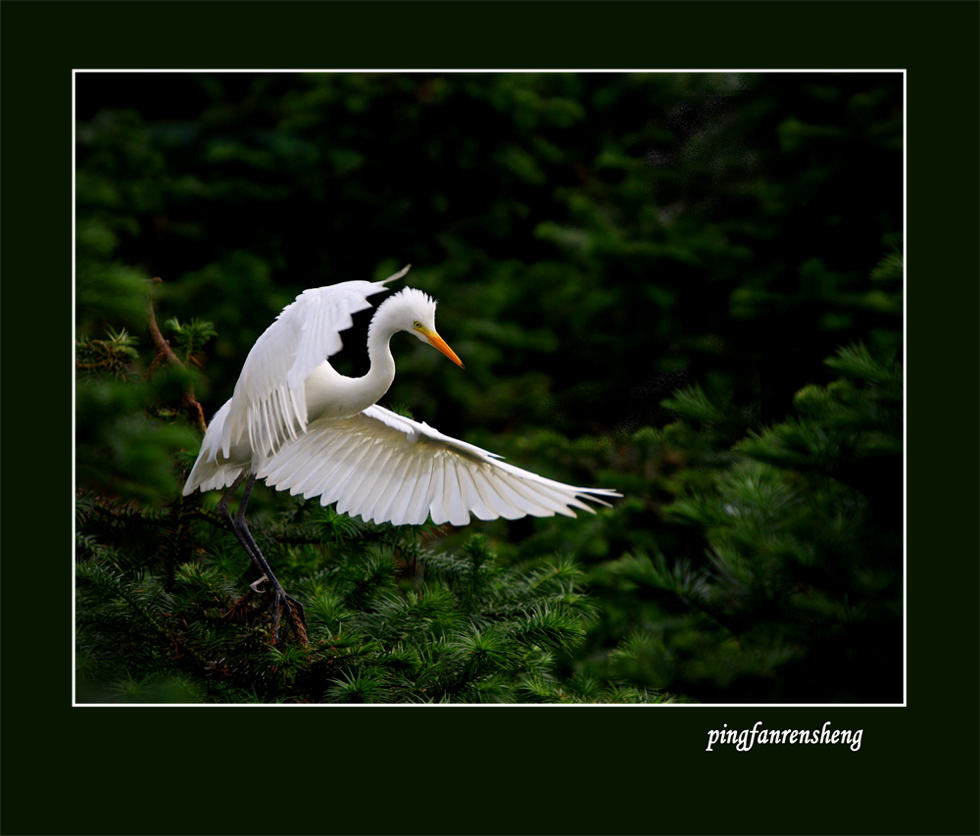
x: 414, y: 311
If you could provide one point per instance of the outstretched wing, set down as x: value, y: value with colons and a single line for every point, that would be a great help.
x: 387, y: 468
x: 269, y: 404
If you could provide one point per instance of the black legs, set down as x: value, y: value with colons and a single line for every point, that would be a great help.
x: 238, y: 525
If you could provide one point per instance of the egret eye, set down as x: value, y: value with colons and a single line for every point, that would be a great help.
x: 417, y: 324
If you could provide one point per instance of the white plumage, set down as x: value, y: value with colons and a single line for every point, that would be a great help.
x: 387, y: 468
x: 296, y: 422
x: 270, y: 396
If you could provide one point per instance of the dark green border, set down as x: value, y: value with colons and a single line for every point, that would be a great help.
x: 470, y: 770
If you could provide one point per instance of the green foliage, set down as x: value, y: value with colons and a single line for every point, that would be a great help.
x: 794, y: 593
x: 598, y: 234
x: 112, y: 356
x: 127, y: 444
x: 191, y: 336
x: 389, y: 620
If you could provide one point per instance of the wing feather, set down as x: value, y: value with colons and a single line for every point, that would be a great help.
x: 460, y: 502
x: 385, y: 467
x: 415, y: 475
x: 510, y: 498
x: 442, y: 500
x: 436, y: 490
x: 354, y: 492
x: 386, y: 508
x: 269, y: 404
x: 375, y: 489
x: 529, y: 497
x: 335, y: 480
x: 473, y: 499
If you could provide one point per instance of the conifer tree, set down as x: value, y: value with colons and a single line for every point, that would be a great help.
x: 161, y: 616
x: 790, y: 589
x: 389, y: 619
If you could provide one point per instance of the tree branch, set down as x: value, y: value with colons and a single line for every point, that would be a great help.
x: 166, y: 354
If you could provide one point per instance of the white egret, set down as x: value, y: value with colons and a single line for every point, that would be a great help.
x: 297, y: 423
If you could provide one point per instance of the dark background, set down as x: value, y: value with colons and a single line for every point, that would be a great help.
x: 909, y: 745
x: 596, y: 240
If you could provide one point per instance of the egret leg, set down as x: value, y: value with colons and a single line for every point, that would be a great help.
x: 240, y: 528
x: 280, y: 598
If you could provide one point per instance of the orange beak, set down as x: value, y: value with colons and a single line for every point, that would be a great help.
x: 440, y: 343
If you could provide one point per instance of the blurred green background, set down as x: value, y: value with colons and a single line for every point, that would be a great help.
x: 599, y: 244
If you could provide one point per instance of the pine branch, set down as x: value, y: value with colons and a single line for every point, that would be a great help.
x: 166, y: 354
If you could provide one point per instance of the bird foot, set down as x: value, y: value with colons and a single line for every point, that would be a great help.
x: 295, y: 615
x: 255, y: 586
